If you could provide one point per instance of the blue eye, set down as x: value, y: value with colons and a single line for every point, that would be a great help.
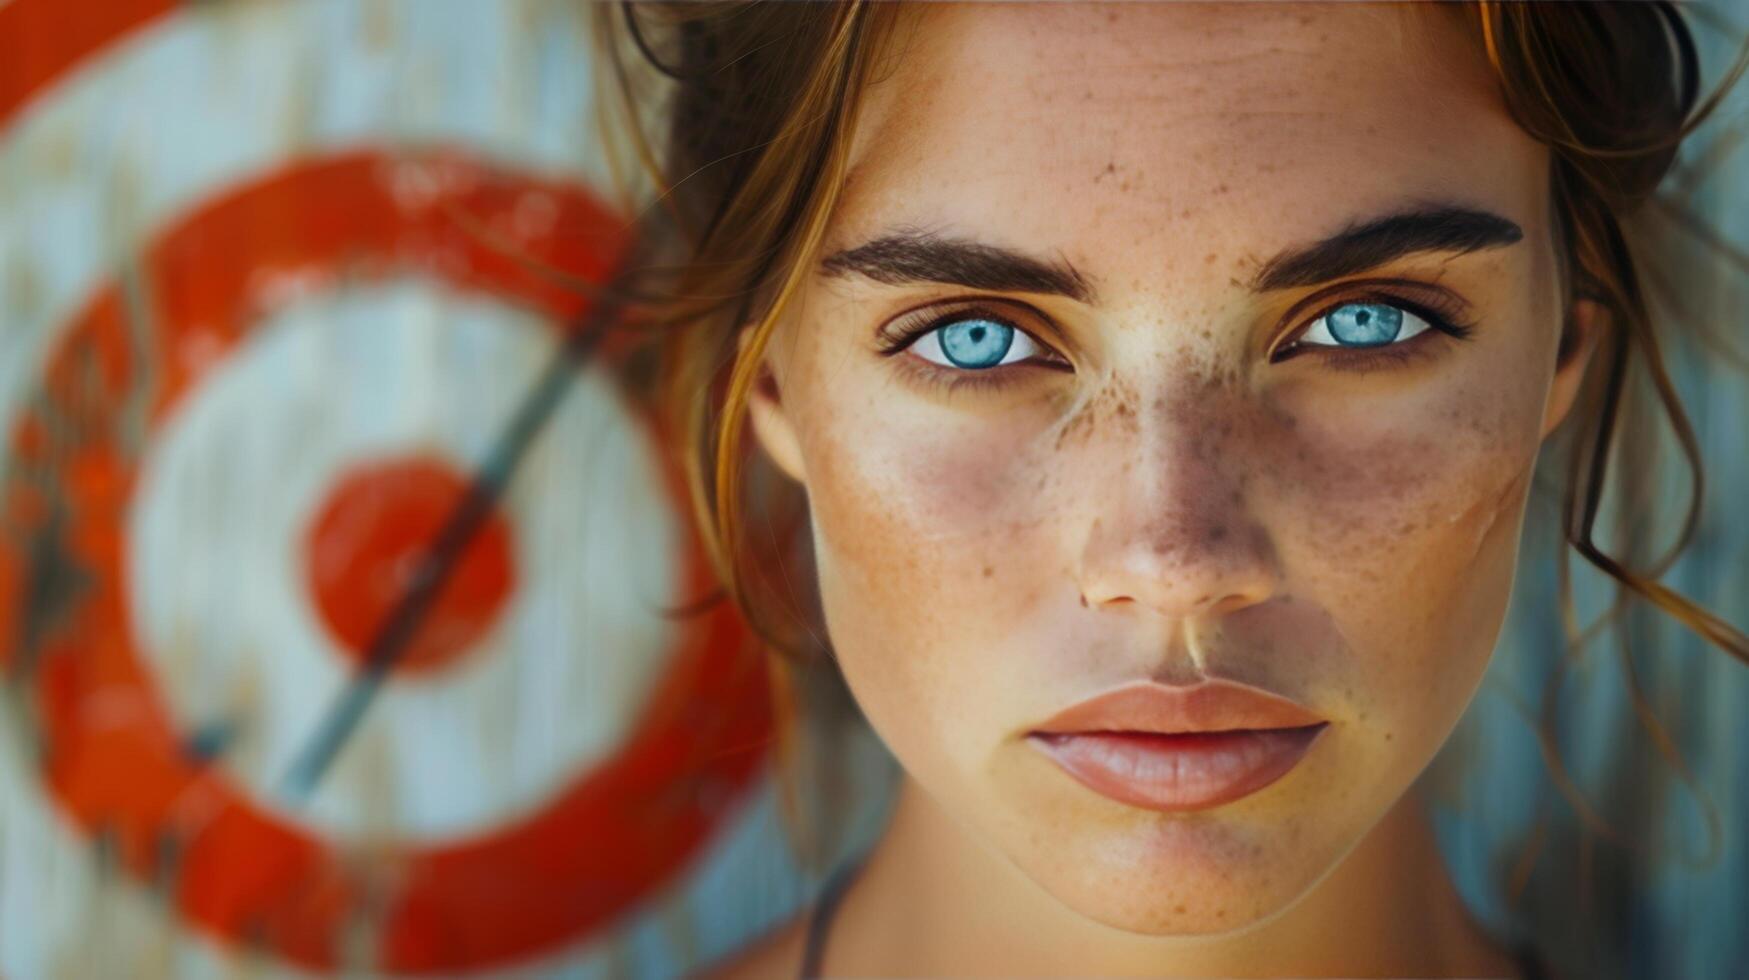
x: 1363, y: 325
x: 975, y: 343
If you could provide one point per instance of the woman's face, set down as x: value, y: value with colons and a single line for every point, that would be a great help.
x: 1133, y: 355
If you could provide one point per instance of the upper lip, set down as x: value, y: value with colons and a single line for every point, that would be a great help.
x: 1212, y: 705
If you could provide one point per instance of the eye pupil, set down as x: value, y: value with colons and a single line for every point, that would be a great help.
x: 1365, y: 324
x: 976, y: 343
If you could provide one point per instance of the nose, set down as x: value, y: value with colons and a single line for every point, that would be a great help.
x: 1172, y: 532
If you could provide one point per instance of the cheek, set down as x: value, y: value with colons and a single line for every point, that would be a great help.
x: 930, y: 538
x: 930, y: 498
x: 1405, y: 530
x: 1378, y: 504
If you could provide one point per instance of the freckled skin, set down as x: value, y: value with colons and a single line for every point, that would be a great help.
x: 1176, y: 506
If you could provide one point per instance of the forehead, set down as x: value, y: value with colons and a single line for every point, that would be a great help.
x: 1090, y: 127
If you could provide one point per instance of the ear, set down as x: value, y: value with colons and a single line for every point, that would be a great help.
x: 1585, y: 323
x: 771, y: 421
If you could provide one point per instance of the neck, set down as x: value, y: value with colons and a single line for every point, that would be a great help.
x: 933, y: 900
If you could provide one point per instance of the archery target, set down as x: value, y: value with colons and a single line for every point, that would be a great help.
x: 255, y: 362
x: 351, y: 407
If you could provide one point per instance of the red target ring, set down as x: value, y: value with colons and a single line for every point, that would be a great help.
x: 112, y: 755
x: 53, y: 41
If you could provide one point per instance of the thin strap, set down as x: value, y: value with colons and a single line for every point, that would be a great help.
x: 1530, y: 965
x: 820, y: 920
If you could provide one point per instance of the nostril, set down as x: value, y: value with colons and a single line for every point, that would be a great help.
x: 1233, y: 603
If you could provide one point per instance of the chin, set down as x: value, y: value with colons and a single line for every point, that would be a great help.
x: 1185, y: 876
x: 1205, y: 873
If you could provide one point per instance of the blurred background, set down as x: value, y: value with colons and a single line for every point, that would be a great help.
x: 334, y: 562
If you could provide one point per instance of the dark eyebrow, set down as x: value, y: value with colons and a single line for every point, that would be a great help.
x: 1360, y: 247
x: 913, y: 256
x: 910, y: 255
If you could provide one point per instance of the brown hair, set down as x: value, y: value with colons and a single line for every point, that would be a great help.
x: 751, y: 155
x: 763, y: 100
x: 1611, y: 89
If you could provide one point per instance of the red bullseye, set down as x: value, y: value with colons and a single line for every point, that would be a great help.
x: 367, y: 545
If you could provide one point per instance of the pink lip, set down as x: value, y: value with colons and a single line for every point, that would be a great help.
x: 1179, y: 748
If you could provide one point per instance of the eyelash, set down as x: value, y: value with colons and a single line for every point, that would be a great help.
x: 1440, y: 316
x: 900, y: 334
x: 895, y: 337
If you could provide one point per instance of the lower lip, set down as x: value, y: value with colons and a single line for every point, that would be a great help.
x: 1179, y: 772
